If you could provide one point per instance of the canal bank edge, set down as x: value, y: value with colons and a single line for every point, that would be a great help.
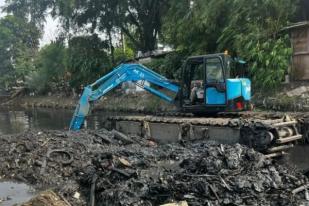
x: 122, y: 103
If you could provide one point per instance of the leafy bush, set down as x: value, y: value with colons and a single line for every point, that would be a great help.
x: 121, y: 56
x: 50, y: 69
x: 19, y: 42
x: 87, y: 59
x: 169, y: 66
x: 248, y: 29
x: 38, y: 81
x: 269, y: 62
x: 254, y: 33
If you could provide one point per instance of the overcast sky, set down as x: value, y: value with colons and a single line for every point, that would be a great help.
x: 50, y: 32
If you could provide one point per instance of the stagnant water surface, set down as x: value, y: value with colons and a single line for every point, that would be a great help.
x: 12, y: 193
x: 17, y: 120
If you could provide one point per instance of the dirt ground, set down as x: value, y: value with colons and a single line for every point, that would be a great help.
x: 106, y: 168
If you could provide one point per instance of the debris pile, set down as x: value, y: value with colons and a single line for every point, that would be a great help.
x: 109, y: 168
x: 47, y: 198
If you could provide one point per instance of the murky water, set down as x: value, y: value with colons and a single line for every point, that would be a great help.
x: 12, y: 193
x: 17, y: 120
x: 299, y: 157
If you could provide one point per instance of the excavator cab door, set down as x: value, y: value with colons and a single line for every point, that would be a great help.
x: 204, y: 84
x: 215, y: 86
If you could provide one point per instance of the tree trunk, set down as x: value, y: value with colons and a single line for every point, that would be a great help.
x: 123, y: 41
x: 112, y: 49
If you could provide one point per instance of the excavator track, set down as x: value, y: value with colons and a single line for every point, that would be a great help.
x: 273, y: 136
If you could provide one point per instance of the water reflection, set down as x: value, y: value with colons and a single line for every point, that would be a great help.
x: 298, y: 156
x: 12, y: 193
x: 16, y: 121
x: 11, y: 122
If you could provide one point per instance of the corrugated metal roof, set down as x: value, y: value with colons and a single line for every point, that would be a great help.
x: 297, y: 25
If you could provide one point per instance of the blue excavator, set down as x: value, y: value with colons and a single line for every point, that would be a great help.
x: 209, y: 85
x: 206, y: 87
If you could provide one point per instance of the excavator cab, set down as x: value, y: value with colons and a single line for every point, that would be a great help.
x: 207, y: 86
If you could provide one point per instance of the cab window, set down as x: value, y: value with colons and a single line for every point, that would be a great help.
x: 214, y: 71
x: 198, y: 72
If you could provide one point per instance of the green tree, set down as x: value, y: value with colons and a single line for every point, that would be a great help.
x: 169, y: 66
x: 49, y: 69
x: 250, y: 29
x: 254, y: 33
x: 122, y: 56
x: 17, y: 38
x: 194, y: 26
x: 87, y: 59
x: 35, y: 11
x: 139, y: 20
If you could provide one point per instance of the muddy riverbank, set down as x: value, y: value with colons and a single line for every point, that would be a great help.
x: 288, y: 98
x: 142, y: 102
x: 114, y: 170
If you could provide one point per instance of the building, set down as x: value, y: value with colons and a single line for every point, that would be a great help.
x: 299, y: 33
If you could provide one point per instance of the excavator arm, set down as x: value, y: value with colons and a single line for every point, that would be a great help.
x: 121, y: 74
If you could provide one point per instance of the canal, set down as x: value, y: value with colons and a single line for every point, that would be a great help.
x: 18, y: 120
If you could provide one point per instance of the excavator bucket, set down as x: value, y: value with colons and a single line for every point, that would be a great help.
x: 82, y: 110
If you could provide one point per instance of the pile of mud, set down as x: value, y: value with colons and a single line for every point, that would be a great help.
x: 108, y: 168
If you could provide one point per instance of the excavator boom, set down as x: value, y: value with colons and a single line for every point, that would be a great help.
x: 123, y: 73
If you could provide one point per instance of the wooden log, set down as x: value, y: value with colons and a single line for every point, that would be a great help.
x: 181, y: 203
x: 104, y: 138
x: 300, y: 189
x: 122, y: 137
